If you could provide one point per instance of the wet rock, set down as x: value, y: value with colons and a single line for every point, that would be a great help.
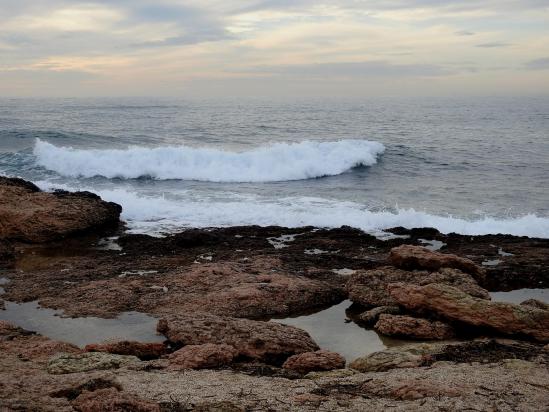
x: 456, y: 305
x: 370, y: 317
x: 29, y: 215
x: 415, y: 328
x: 144, y: 351
x: 369, y: 288
x: 266, y: 341
x: 112, y: 400
x: 534, y: 303
x: 84, y: 362
x: 386, y: 360
x: 205, y: 356
x: 7, y: 253
x: 321, y: 360
x: 411, y: 257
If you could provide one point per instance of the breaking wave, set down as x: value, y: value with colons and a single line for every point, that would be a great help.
x: 279, y: 162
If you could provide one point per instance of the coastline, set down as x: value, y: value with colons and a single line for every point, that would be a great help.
x: 237, y: 279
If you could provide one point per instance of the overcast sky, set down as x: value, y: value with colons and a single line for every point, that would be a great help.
x: 273, y: 48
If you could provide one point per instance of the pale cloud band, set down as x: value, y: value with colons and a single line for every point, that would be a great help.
x: 268, y: 47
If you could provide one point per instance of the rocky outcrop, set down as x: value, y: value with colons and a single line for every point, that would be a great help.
x: 144, y: 351
x: 411, y: 257
x: 534, y: 303
x: 30, y: 215
x: 370, y: 317
x: 369, y: 288
x: 205, y: 356
x: 456, y: 305
x: 321, y: 360
x: 270, y: 342
x: 415, y: 328
x: 386, y: 360
x: 112, y: 400
x: 89, y: 361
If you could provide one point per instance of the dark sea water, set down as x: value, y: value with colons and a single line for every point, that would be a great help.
x: 470, y: 166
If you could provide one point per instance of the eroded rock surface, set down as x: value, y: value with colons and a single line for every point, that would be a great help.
x: 457, y: 305
x: 89, y: 361
x: 207, y: 356
x: 414, y: 328
x: 30, y: 215
x: 143, y: 351
x: 321, y: 360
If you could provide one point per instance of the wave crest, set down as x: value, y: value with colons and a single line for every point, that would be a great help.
x: 279, y: 162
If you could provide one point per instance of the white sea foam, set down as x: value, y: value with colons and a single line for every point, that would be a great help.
x: 149, y: 214
x: 279, y: 162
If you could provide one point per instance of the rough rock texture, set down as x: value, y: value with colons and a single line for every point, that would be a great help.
x: 267, y: 341
x: 415, y: 328
x: 7, y: 253
x: 370, y: 317
x: 534, y: 303
x: 369, y: 288
x: 144, y: 351
x: 111, y: 400
x: 456, y: 305
x: 385, y: 360
x: 207, y: 356
x: 321, y: 360
x: 29, y: 215
x: 84, y: 362
x: 411, y: 257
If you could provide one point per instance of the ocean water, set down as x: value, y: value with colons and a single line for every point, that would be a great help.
x: 471, y: 166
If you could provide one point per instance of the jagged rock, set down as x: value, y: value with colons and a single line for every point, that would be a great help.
x: 369, y: 288
x: 457, y: 305
x: 321, y: 360
x: 30, y: 215
x: 112, y: 400
x: 144, y: 351
x: 72, y: 363
x: 415, y: 328
x: 267, y: 341
x: 370, y: 317
x: 411, y: 257
x: 385, y: 360
x: 205, y: 356
x: 534, y: 303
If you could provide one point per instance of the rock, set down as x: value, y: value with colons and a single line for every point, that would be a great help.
x: 112, y: 400
x: 386, y: 360
x: 415, y: 328
x: 369, y: 288
x: 321, y: 360
x: 454, y: 304
x: 84, y: 362
x: 266, y: 341
x: 30, y: 215
x: 411, y: 257
x: 7, y: 253
x: 207, y: 356
x: 144, y: 351
x: 534, y: 303
x: 370, y: 317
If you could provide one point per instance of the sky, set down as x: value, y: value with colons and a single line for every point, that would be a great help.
x: 269, y: 48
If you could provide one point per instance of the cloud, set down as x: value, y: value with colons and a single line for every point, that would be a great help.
x: 464, y: 33
x: 538, y: 64
x: 493, y: 45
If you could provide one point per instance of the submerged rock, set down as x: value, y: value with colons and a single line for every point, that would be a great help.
x: 205, y: 356
x: 415, y: 328
x: 30, y: 215
x: 321, y: 360
x: 84, y: 362
x: 144, y: 351
x: 369, y: 288
x: 456, y: 305
x: 411, y: 257
x: 266, y: 341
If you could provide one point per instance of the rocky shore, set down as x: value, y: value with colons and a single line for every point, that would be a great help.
x: 219, y: 298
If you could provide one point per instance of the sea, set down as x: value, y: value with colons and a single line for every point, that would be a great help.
x: 466, y: 165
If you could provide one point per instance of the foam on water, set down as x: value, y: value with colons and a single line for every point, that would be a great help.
x: 278, y: 162
x: 148, y: 214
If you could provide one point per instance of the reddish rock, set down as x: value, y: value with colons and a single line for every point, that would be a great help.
x: 205, y: 356
x: 144, y: 351
x: 534, y: 303
x: 320, y: 360
x: 457, y: 305
x: 415, y: 328
x: 370, y: 317
x: 112, y: 400
x: 30, y: 215
x: 270, y: 342
x: 369, y: 288
x: 411, y: 257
